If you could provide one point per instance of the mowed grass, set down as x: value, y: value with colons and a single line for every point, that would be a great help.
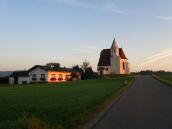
x: 64, y: 105
x: 165, y: 78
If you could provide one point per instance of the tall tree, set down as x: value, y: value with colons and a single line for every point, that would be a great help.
x: 85, y: 70
x: 85, y: 65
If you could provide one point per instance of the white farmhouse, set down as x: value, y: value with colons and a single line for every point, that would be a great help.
x: 41, y: 73
x: 113, y: 61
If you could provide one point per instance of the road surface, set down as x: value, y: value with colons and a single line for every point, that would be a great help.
x: 147, y: 105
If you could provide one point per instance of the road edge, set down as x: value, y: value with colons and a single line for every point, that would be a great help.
x: 162, y: 80
x: 109, y: 104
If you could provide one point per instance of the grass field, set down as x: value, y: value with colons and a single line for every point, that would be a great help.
x: 165, y: 78
x: 55, y: 106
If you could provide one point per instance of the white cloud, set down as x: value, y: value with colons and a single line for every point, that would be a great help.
x: 106, y: 7
x: 169, y: 18
x: 159, y: 56
x: 87, y: 49
x: 82, y: 50
x: 91, y: 48
x: 164, y: 52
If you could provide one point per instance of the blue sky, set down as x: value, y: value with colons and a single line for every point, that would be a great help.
x: 68, y: 31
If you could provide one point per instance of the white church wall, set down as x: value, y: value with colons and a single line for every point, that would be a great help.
x: 106, y: 71
x: 124, y: 69
x: 115, y: 59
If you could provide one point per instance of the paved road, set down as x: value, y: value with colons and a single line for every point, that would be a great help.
x: 147, y: 105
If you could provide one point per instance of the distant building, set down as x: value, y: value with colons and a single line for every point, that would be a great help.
x: 46, y: 74
x: 40, y: 74
x: 19, y: 77
x: 113, y: 61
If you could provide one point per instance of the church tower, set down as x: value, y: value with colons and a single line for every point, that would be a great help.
x: 115, y: 62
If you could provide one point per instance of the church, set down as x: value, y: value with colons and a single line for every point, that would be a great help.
x: 113, y: 61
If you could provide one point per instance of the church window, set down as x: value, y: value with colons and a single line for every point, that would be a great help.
x: 123, y: 65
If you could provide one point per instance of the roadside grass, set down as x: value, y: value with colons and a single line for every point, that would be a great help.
x: 56, y: 106
x: 165, y: 78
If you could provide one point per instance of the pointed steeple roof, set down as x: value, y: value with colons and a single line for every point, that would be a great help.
x: 114, y: 44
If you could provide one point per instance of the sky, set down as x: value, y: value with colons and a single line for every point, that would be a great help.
x: 35, y: 32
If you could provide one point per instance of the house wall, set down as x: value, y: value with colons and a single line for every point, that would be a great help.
x: 22, y: 80
x: 38, y: 72
x: 11, y: 80
x: 106, y: 71
x: 54, y: 76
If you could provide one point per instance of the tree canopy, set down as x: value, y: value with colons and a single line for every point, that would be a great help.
x: 53, y: 65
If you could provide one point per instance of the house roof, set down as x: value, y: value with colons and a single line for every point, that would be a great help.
x: 38, y: 66
x: 20, y: 74
x: 105, y: 55
x: 104, y: 58
x: 46, y: 68
x: 121, y: 54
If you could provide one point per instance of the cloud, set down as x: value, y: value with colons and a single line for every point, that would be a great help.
x: 164, y: 52
x: 106, y: 7
x: 159, y: 56
x: 87, y: 49
x: 82, y: 50
x: 169, y: 18
x: 91, y: 48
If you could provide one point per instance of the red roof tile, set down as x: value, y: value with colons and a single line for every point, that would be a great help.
x: 121, y: 54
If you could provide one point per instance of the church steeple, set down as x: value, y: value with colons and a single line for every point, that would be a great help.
x: 114, y: 44
x: 115, y: 48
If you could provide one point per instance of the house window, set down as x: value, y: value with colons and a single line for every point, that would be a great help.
x: 101, y: 72
x: 53, y: 76
x: 42, y: 75
x: 67, y: 77
x: 60, y: 76
x: 34, y: 77
x: 123, y: 65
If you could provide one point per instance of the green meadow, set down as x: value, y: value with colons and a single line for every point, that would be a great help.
x: 165, y: 78
x: 56, y: 106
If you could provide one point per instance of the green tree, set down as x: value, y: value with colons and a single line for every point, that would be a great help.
x: 89, y: 73
x: 53, y: 65
x: 85, y: 65
x: 74, y: 76
x: 76, y: 67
